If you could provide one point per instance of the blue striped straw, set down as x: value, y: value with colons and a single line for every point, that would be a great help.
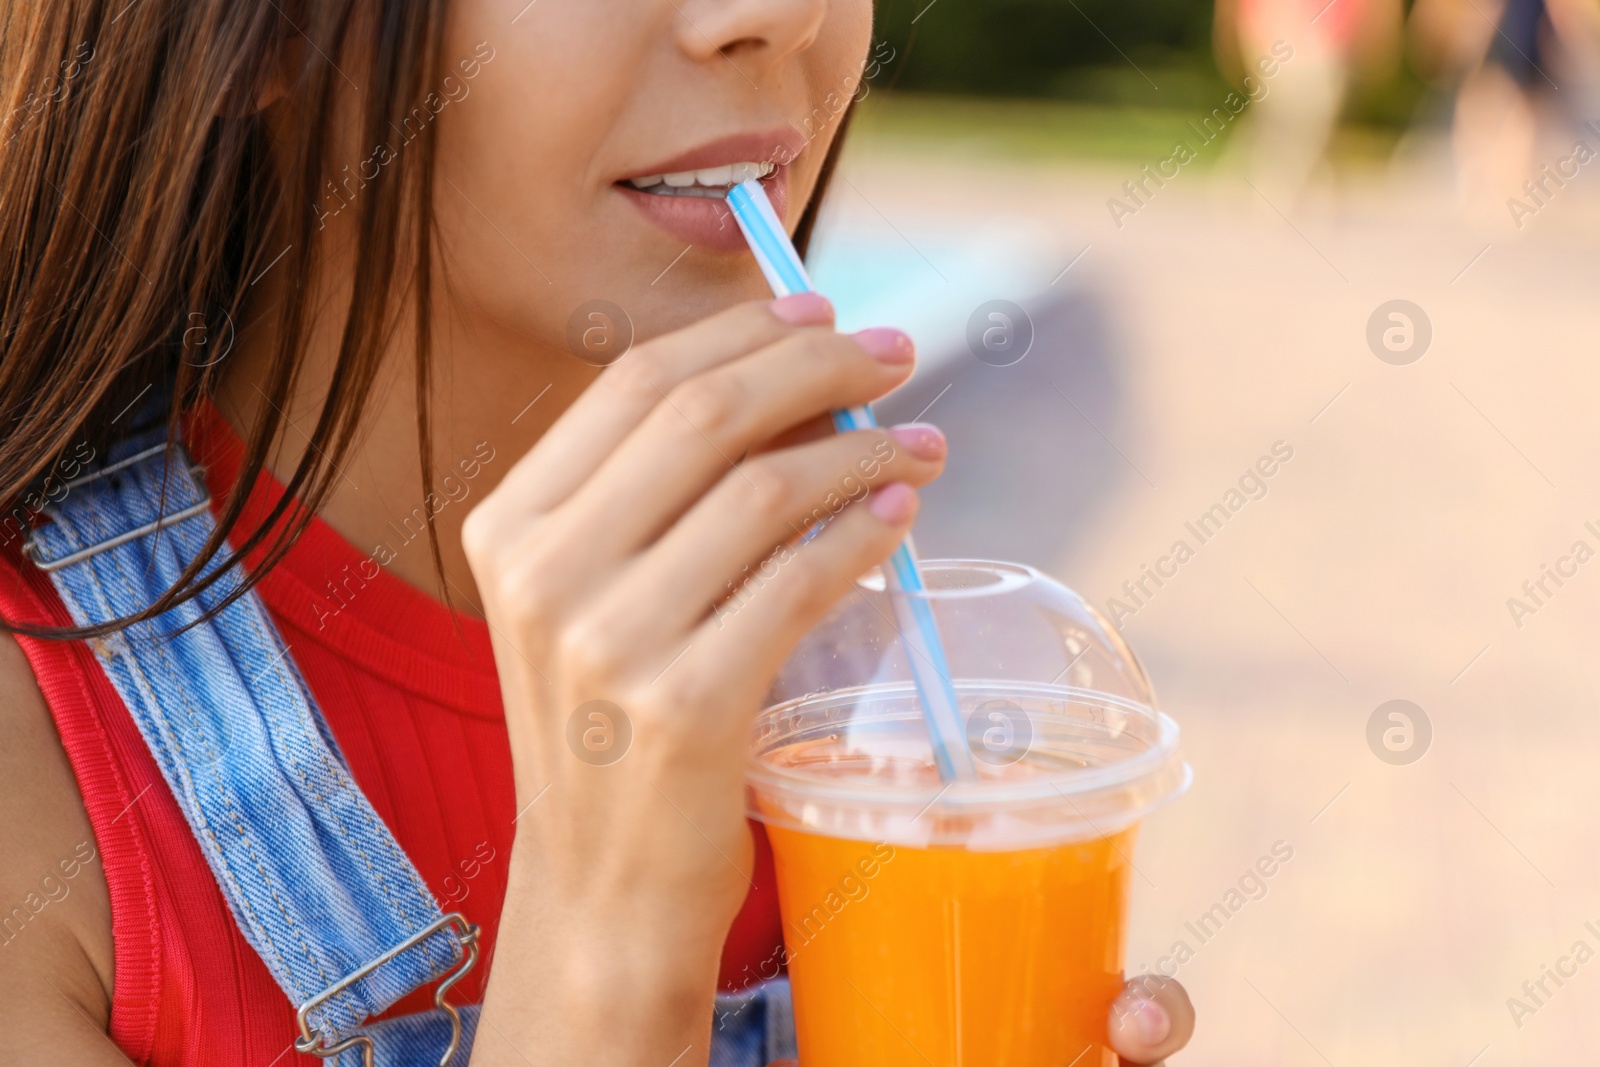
x: 919, y: 633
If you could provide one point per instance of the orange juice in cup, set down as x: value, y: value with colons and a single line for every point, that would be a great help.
x: 970, y: 924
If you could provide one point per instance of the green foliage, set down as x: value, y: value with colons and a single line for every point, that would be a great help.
x: 1121, y: 54
x: 1049, y: 48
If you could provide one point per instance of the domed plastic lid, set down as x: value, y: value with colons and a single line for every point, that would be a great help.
x: 1060, y: 720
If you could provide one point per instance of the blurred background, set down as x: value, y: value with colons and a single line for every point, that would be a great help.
x: 1148, y: 249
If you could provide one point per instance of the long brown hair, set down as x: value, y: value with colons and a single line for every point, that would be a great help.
x: 139, y: 202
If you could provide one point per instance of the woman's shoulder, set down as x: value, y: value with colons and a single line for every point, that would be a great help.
x: 53, y: 892
x: 56, y: 920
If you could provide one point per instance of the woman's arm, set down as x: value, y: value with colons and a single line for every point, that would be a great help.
x: 55, y: 930
x: 599, y: 559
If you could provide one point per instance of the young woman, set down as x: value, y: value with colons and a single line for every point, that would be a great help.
x: 345, y: 253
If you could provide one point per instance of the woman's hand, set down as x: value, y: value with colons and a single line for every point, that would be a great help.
x: 601, y: 559
x: 1150, y: 1021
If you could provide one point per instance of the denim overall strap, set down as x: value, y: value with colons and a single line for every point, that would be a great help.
x: 315, y: 880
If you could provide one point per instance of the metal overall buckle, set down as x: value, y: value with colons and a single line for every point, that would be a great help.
x: 30, y: 548
x: 311, y: 1042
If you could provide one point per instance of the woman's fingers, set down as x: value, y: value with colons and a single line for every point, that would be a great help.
x: 795, y: 587
x: 763, y: 503
x: 810, y: 430
x: 1151, y: 1020
x: 613, y: 407
x: 689, y: 442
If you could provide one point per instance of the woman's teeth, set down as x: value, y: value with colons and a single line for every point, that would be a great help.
x: 711, y: 181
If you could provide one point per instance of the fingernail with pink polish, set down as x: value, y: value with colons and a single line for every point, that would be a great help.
x: 920, y: 439
x: 1151, y: 1022
x: 803, y: 309
x: 894, y: 504
x: 886, y: 344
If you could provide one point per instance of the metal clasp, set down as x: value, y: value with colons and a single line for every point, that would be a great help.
x: 31, y: 550
x: 311, y: 1042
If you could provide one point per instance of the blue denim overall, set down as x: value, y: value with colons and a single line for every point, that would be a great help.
x: 315, y: 880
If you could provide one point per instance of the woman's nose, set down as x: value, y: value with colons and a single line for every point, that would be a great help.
x: 748, y: 32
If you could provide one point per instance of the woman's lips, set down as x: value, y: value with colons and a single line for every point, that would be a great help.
x: 704, y: 222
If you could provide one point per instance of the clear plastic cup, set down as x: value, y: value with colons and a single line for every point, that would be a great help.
x: 973, y: 923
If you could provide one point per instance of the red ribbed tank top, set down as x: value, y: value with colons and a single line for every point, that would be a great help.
x: 411, y: 695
